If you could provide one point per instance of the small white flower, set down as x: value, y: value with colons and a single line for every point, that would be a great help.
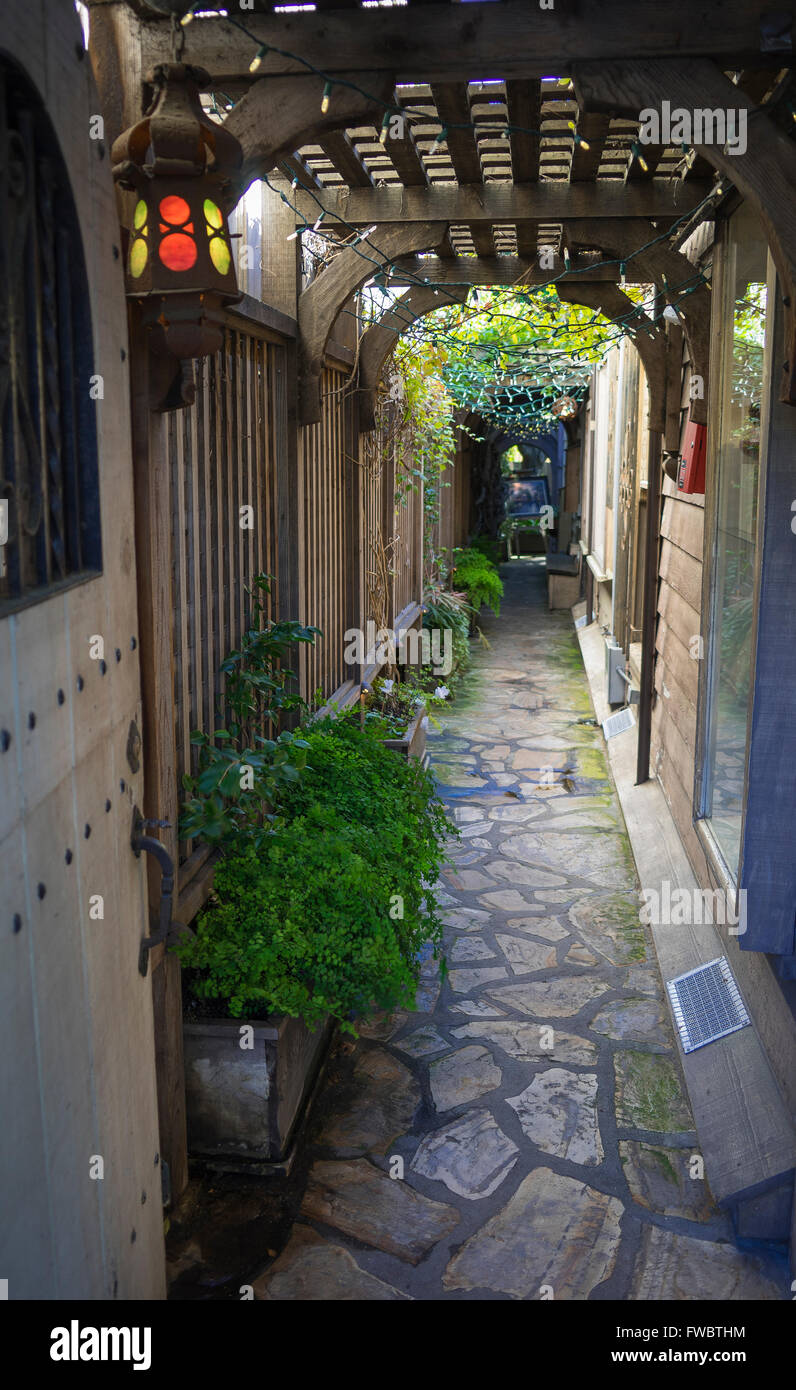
x: 387, y: 686
x: 442, y: 692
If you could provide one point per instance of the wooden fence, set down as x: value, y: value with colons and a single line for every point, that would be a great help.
x: 356, y: 498
x: 223, y: 487
x: 330, y: 527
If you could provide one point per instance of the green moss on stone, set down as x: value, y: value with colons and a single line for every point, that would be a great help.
x: 649, y: 1093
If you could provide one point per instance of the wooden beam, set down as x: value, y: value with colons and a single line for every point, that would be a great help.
x: 593, y: 128
x: 523, y: 104
x: 527, y: 239
x: 276, y: 118
x: 483, y: 241
x: 295, y: 168
x: 379, y: 340
x: 496, y: 270
x: 321, y: 303
x: 544, y: 202
x: 453, y: 109
x: 405, y: 158
x: 339, y: 147
x: 493, y: 41
x: 765, y: 174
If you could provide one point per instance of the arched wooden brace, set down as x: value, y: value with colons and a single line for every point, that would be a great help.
x: 613, y: 303
x: 765, y: 173
x: 324, y: 299
x: 378, y: 341
x: 514, y: 271
x: 279, y: 115
x: 619, y: 239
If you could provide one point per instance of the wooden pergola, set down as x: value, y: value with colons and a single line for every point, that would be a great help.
x: 513, y: 128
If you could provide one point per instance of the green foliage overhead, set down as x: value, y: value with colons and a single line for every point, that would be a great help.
x: 510, y: 353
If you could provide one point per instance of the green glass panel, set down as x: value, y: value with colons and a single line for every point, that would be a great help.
x: 220, y: 254
x: 138, y: 256
x: 139, y: 217
x: 213, y: 214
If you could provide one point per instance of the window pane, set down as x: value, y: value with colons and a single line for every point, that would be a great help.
x: 738, y: 457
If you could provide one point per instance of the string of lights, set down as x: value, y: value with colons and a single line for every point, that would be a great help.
x: 361, y: 242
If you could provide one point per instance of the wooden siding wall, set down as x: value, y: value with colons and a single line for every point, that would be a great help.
x: 674, y: 714
x: 221, y: 458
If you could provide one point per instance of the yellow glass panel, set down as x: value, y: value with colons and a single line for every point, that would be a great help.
x: 220, y: 254
x: 138, y: 256
x: 213, y: 214
x: 139, y: 216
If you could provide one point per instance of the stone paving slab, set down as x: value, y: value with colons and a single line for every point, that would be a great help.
x: 526, y: 1133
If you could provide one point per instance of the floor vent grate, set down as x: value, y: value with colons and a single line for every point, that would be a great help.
x: 619, y: 722
x: 706, y: 1004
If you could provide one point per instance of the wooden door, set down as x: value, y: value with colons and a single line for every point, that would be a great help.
x: 80, y: 1166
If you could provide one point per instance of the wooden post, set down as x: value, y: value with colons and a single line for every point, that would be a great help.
x: 153, y: 508
x: 650, y: 606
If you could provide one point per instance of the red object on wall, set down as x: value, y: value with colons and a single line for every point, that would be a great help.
x: 691, y: 474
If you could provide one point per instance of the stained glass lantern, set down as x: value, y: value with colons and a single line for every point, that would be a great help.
x: 565, y: 408
x: 180, y: 165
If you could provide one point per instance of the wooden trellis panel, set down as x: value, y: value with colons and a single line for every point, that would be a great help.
x: 330, y: 534
x: 221, y: 456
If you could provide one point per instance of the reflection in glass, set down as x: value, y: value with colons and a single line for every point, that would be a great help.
x: 738, y: 462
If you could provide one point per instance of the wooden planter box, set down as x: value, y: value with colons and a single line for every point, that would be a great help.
x: 413, y: 742
x: 245, y: 1103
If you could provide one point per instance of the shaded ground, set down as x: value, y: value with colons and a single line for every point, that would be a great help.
x: 533, y: 1108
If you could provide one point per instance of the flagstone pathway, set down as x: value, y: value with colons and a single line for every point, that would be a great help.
x: 526, y: 1133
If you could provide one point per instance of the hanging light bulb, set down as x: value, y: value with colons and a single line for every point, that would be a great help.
x: 258, y: 58
x: 635, y: 150
x: 622, y: 274
x: 385, y: 129
x: 327, y: 96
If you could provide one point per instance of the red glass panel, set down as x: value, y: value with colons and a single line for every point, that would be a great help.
x: 177, y: 251
x: 174, y: 210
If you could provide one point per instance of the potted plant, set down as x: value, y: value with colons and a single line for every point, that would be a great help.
x: 319, y: 912
x: 401, y: 710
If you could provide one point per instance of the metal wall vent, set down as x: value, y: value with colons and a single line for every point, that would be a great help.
x: 582, y: 621
x: 619, y: 722
x: 706, y: 1004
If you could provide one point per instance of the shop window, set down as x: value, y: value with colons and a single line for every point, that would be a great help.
x: 732, y: 547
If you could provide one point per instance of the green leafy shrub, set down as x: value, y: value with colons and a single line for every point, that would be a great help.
x: 241, y: 771
x: 492, y: 549
x: 330, y: 914
x: 302, y: 928
x: 474, y: 573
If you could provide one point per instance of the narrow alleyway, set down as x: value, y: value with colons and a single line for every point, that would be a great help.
x: 535, y: 1100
